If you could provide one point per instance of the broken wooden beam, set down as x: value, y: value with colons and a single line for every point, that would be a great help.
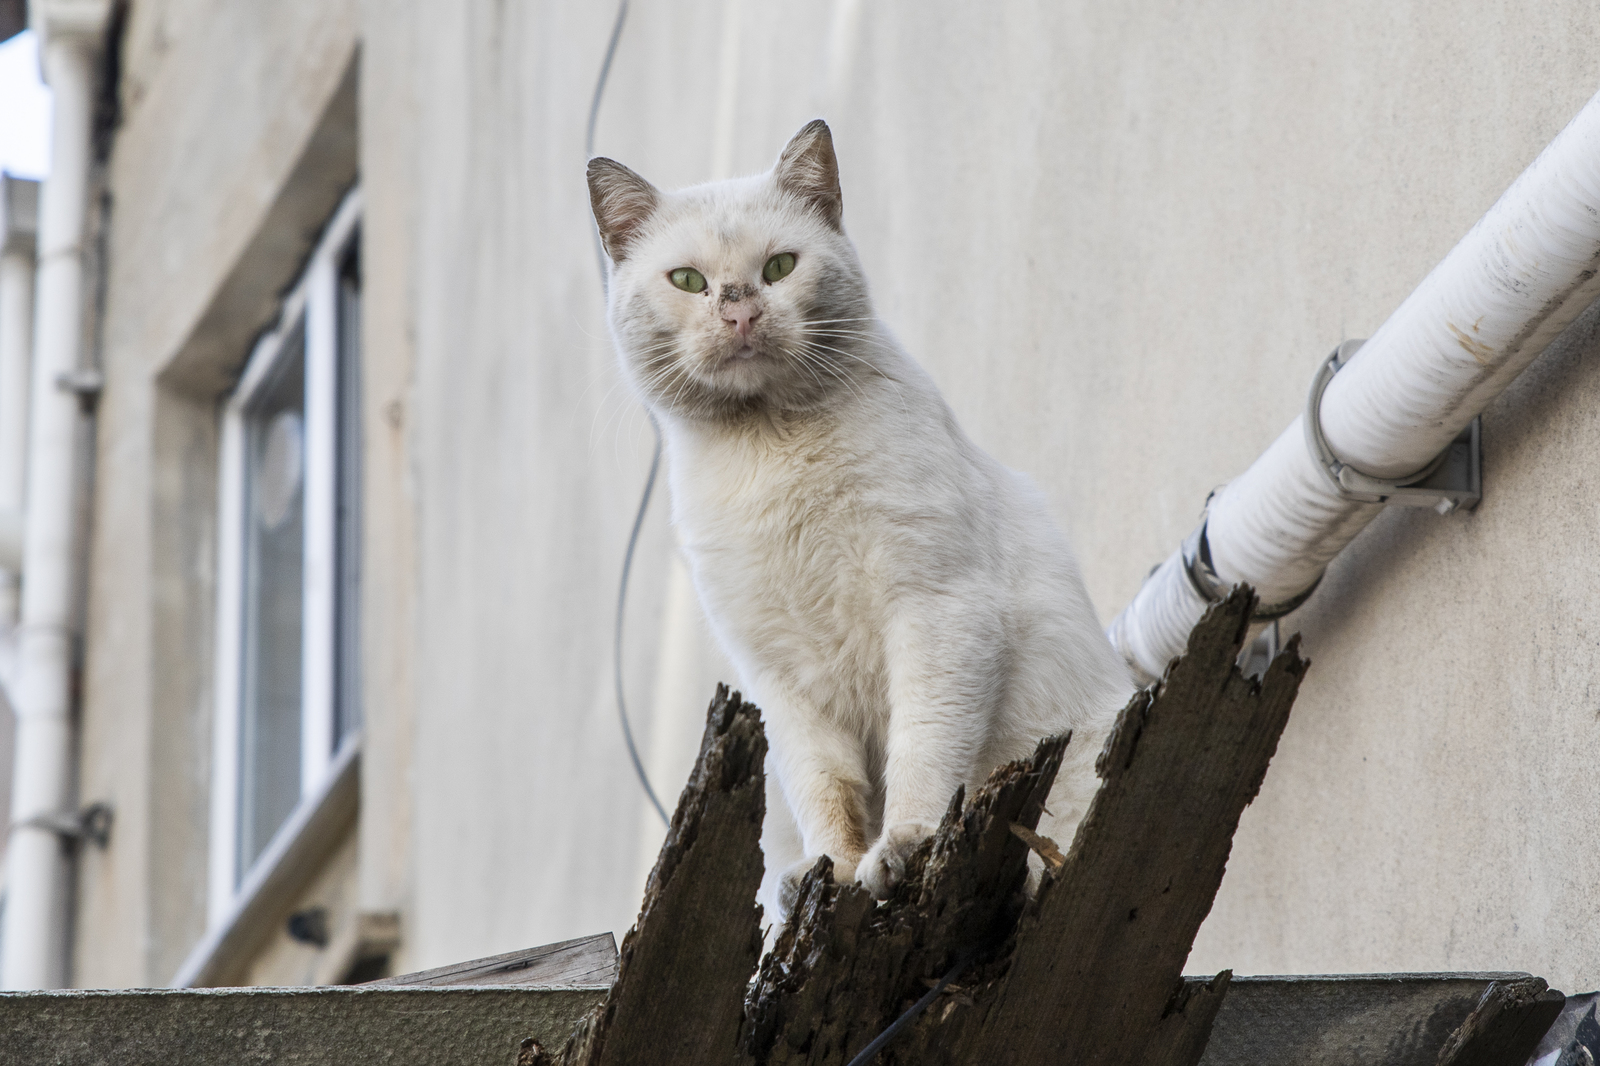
x: 1505, y: 1026
x: 678, y: 996
x: 845, y: 965
x: 1100, y: 951
x: 1088, y: 971
x: 586, y: 962
x: 1092, y: 971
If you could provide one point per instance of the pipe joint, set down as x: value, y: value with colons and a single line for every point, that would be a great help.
x: 1209, y: 586
x: 1452, y: 479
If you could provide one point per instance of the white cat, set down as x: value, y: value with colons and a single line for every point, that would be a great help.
x: 899, y: 605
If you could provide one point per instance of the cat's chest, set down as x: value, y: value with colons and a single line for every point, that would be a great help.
x: 805, y: 532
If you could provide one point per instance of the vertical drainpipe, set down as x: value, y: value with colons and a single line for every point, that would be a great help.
x: 33, y: 943
x: 19, y: 225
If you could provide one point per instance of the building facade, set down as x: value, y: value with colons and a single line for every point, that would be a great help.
x: 356, y: 473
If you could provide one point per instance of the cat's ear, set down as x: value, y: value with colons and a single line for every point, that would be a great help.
x: 807, y: 168
x: 622, y: 202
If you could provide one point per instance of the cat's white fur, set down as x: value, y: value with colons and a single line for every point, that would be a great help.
x: 901, y: 606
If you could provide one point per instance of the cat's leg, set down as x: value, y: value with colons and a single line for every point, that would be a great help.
x: 822, y: 770
x: 781, y: 846
x: 944, y: 679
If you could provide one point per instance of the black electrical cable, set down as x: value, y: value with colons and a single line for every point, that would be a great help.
x: 594, y: 116
x: 655, y: 458
x: 868, y: 1053
x: 622, y: 600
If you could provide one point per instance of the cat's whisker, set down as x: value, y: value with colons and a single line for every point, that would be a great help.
x: 800, y: 358
x: 895, y: 385
x: 812, y: 359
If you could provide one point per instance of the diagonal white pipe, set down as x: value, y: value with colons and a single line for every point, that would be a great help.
x: 1524, y: 272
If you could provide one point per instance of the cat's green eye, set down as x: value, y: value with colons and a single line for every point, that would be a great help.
x: 689, y: 279
x: 778, y: 266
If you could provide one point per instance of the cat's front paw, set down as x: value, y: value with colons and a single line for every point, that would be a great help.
x: 884, y: 864
x: 844, y: 872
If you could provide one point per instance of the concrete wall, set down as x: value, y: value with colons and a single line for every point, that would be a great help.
x: 1119, y: 236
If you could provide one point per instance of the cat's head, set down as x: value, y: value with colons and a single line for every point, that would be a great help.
x: 739, y: 295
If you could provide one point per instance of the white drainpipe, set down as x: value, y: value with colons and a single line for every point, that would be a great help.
x: 19, y: 225
x: 33, y: 953
x: 1524, y: 272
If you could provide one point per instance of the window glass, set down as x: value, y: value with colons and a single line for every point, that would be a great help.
x: 274, y: 522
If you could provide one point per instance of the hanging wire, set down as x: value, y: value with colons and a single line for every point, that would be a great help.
x: 655, y: 458
x: 594, y: 116
x: 622, y: 600
x: 868, y: 1053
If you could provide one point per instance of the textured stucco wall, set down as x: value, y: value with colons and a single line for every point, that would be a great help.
x: 1120, y: 236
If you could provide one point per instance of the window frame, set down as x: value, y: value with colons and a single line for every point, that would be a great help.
x: 316, y: 300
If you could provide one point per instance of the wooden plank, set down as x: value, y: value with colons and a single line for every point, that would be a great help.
x: 1346, y: 1020
x: 1505, y: 1026
x: 679, y: 992
x: 589, y: 962
x: 1100, y: 952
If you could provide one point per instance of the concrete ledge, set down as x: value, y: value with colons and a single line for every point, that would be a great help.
x: 308, y: 1027
x: 1345, y: 1020
x: 1384, y: 1019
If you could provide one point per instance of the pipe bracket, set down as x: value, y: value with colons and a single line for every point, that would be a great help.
x: 1208, y: 584
x: 1454, y: 479
x: 93, y: 824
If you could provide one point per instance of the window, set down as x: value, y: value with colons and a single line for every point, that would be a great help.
x: 288, y: 665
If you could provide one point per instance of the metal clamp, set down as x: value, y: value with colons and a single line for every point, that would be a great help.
x: 1209, y: 585
x: 93, y: 824
x: 86, y: 383
x: 1453, y: 479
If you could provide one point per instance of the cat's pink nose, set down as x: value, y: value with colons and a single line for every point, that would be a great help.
x: 742, y: 316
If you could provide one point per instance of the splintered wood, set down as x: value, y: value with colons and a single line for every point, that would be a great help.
x: 1087, y: 971
x: 680, y: 988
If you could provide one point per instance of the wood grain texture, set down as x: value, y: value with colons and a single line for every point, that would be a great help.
x: 1505, y: 1026
x: 844, y: 966
x: 585, y: 962
x: 1100, y: 951
x: 1188, y: 1022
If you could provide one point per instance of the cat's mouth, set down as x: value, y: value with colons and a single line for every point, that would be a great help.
x: 740, y: 355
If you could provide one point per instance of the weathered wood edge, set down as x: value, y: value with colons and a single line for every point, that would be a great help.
x: 843, y: 967
x: 1185, y: 1028
x: 1506, y: 1026
x: 1100, y: 952
x: 677, y: 999
x: 589, y: 961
